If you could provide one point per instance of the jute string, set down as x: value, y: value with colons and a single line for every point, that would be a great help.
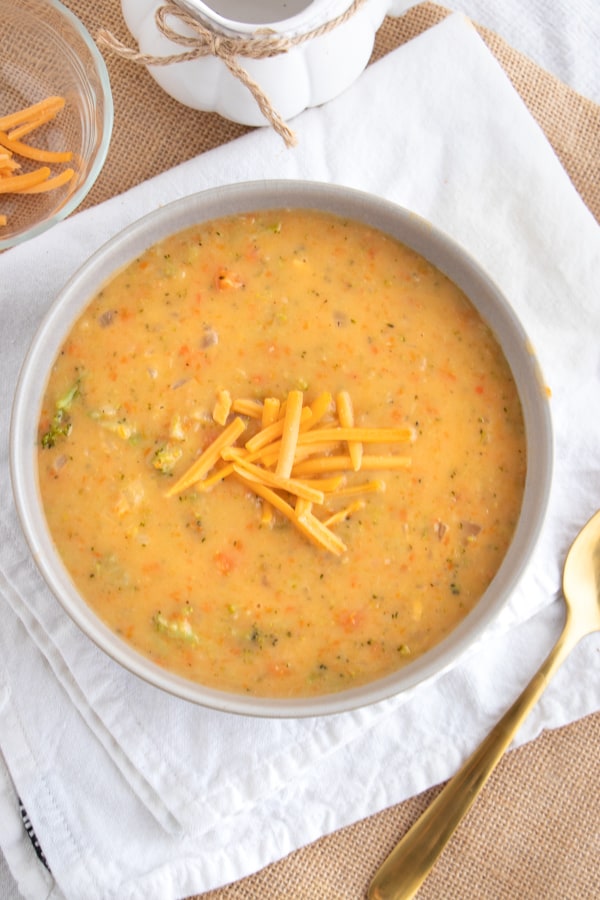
x: 204, y: 41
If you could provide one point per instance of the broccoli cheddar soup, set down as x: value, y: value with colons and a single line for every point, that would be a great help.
x: 281, y: 454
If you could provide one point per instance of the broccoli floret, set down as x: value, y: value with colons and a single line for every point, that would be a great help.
x: 60, y: 426
x: 166, y: 457
x: 176, y: 627
x: 65, y: 401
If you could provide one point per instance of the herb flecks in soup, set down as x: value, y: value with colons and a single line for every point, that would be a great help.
x: 211, y: 332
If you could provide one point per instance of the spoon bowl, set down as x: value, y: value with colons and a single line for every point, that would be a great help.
x: 581, y: 581
x: 408, y: 865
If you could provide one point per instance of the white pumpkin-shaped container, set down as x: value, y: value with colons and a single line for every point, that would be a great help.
x: 312, y: 69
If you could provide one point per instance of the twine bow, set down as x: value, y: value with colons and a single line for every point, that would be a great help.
x: 204, y: 41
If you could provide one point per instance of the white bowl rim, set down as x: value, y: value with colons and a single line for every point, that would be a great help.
x: 78, y: 196
x: 389, y: 217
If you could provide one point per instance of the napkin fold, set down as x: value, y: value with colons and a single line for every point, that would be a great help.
x: 136, y: 794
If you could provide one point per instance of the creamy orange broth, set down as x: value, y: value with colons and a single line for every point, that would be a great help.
x: 205, y: 583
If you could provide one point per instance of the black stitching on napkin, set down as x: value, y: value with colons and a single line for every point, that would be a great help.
x: 32, y: 835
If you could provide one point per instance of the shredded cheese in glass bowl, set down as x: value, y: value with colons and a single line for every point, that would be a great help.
x: 56, y: 116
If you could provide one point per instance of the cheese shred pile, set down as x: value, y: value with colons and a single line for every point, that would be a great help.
x: 298, y: 460
x: 15, y: 126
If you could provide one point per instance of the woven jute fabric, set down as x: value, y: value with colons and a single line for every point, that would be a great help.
x: 153, y: 132
x: 534, y: 834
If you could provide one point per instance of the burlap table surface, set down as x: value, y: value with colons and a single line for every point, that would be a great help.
x: 535, y: 831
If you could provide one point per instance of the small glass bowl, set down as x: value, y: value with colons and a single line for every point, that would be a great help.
x: 45, y: 51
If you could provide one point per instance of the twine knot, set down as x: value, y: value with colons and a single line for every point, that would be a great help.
x: 205, y: 41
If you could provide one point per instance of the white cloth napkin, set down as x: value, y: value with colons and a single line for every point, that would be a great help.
x: 561, y: 36
x: 134, y: 794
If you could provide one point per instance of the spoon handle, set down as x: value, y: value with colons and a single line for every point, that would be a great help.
x: 408, y: 865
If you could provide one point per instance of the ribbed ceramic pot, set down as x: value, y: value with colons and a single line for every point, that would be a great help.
x: 313, y: 69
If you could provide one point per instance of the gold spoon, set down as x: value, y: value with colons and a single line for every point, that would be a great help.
x: 408, y: 865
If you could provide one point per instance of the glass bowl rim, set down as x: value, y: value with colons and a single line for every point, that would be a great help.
x: 78, y: 195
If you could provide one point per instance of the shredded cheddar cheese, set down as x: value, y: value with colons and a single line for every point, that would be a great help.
x: 13, y: 184
x: 35, y: 153
x: 17, y: 125
x: 267, y: 435
x: 318, y: 532
x: 343, y: 462
x: 35, y: 113
x: 209, y: 457
x: 319, y: 408
x: 377, y: 486
x: 270, y: 411
x: 280, y: 482
x: 346, y: 417
x: 50, y: 184
x: 356, y: 435
x: 345, y: 513
x: 290, y: 444
x: 289, y: 437
x: 245, y: 407
x: 222, y: 407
